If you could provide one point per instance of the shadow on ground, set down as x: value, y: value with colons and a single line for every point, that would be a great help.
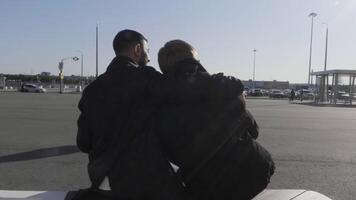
x: 40, y: 153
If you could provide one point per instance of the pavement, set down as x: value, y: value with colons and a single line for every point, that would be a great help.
x: 37, y: 145
x: 313, y: 147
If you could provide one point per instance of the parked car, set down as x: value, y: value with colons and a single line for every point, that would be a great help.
x: 277, y: 94
x: 343, y: 95
x: 28, y: 87
x: 307, y: 94
x: 287, y: 92
x: 340, y: 94
x: 347, y: 97
x: 255, y: 92
x: 264, y: 92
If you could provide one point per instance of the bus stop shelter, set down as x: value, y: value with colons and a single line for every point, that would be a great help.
x: 323, y: 83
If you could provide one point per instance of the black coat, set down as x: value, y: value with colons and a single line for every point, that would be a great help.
x: 115, y: 128
x: 209, y: 134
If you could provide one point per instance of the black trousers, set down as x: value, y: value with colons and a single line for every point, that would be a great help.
x: 240, y: 171
x: 91, y: 194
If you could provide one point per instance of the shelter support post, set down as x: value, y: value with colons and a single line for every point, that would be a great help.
x: 320, y: 88
x: 352, y: 89
x: 323, y: 88
x: 336, y: 92
x: 350, y: 85
x: 327, y: 87
x: 332, y: 88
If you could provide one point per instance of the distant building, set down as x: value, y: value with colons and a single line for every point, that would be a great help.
x: 299, y: 86
x: 45, y: 73
x: 267, y: 84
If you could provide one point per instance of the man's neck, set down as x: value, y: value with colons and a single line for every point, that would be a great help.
x: 127, y: 57
x: 123, y: 60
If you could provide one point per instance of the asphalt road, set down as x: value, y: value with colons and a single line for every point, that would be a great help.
x: 314, y: 147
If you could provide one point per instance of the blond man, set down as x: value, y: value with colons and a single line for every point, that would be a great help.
x: 207, y: 131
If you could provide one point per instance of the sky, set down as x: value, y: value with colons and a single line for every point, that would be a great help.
x: 36, y: 34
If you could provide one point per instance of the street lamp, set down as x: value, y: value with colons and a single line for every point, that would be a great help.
x: 97, y: 52
x: 81, y: 68
x: 324, y: 87
x: 60, y: 67
x: 254, y: 67
x: 312, y: 15
x: 326, y: 45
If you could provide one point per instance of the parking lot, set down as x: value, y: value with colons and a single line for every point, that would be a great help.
x: 314, y: 147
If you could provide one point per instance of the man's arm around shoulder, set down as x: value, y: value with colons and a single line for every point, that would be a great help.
x: 83, y: 134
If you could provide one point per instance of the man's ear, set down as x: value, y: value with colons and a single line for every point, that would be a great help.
x: 137, y: 49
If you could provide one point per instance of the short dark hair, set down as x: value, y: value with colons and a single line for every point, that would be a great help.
x: 125, y: 38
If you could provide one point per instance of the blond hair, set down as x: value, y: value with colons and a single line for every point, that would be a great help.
x: 173, y: 52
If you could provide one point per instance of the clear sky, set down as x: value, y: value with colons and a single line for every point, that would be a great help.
x: 36, y: 34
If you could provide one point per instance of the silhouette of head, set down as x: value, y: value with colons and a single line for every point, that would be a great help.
x: 132, y: 44
x: 173, y: 52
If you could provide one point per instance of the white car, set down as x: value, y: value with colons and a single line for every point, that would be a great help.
x: 27, y: 87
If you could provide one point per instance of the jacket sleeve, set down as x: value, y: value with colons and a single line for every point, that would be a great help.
x: 83, y: 134
x: 238, y: 87
x: 229, y: 83
x: 253, y: 128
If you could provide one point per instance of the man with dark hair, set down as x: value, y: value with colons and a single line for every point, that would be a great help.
x: 115, y: 128
x: 207, y: 131
x: 128, y: 43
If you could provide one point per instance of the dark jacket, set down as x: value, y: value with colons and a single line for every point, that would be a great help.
x: 115, y: 128
x: 210, y: 135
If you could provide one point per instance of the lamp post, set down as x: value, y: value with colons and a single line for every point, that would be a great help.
x: 81, y: 68
x: 60, y: 67
x: 97, y: 52
x: 324, y: 87
x: 326, y: 45
x: 254, y: 67
x: 312, y: 15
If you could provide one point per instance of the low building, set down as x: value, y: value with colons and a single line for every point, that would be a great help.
x: 299, y: 86
x: 45, y: 73
x: 267, y: 84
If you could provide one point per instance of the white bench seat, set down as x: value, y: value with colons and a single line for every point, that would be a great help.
x: 290, y: 194
x: 265, y: 195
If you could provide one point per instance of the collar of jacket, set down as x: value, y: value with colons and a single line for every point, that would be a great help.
x: 121, y: 61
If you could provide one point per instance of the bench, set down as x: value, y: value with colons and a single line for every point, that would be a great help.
x: 264, y: 195
x: 290, y: 194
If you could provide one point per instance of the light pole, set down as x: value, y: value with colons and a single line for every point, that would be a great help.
x: 312, y: 15
x: 324, y: 87
x: 81, y: 68
x: 254, y: 67
x: 60, y: 67
x: 326, y: 45
x: 97, y: 52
